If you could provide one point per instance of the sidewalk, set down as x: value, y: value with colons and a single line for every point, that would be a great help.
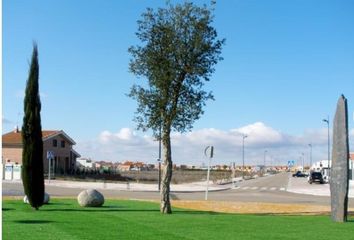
x: 134, y: 187
x: 138, y: 187
x: 301, y: 186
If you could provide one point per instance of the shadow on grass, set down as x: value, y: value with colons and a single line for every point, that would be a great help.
x: 99, y: 209
x: 295, y: 214
x: 57, y: 203
x: 7, y: 209
x: 33, y: 221
x: 198, y: 212
x: 119, y: 209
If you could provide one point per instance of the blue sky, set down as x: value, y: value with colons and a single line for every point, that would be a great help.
x: 285, y: 65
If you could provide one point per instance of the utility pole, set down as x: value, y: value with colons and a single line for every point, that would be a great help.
x: 243, y: 156
x: 328, y: 142
x: 310, y: 145
x: 264, y: 160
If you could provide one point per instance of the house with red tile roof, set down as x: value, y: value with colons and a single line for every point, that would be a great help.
x: 56, y: 141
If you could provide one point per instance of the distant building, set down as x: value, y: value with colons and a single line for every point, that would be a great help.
x: 183, y: 167
x: 320, y: 165
x: 84, y: 163
x: 56, y: 141
x: 103, y: 165
x: 134, y: 166
x: 125, y: 167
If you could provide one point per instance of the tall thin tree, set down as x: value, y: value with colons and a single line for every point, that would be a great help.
x: 32, y: 155
x: 178, y: 53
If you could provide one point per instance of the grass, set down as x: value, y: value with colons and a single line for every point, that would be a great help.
x: 64, y: 219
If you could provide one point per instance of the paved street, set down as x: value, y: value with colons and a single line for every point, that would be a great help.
x: 270, y: 189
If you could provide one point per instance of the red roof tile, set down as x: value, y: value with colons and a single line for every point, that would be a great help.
x: 16, y: 138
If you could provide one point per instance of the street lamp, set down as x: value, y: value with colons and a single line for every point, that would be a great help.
x: 303, y: 162
x: 264, y: 160
x: 310, y: 145
x: 243, y: 155
x: 327, y: 121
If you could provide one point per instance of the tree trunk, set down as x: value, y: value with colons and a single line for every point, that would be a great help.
x: 165, y: 206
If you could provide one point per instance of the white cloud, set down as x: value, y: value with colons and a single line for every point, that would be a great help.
x: 6, y: 121
x: 124, y: 136
x: 258, y: 134
x: 351, y: 133
x: 188, y: 148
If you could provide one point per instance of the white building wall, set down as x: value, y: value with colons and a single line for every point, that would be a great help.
x: 83, y: 162
x: 318, y: 166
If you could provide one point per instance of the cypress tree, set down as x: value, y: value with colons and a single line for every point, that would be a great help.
x: 32, y: 154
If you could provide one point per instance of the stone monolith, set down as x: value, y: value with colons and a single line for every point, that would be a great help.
x: 339, y: 180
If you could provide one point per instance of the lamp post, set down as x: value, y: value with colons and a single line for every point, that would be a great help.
x: 310, y: 145
x: 303, y: 162
x: 327, y: 121
x: 264, y: 159
x: 243, y: 155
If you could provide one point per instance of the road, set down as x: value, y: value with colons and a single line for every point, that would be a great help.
x: 270, y: 189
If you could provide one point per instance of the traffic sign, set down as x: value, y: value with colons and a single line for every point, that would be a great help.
x: 50, y: 155
x: 291, y: 163
x: 209, y: 151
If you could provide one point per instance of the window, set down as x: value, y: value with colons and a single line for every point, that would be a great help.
x: 62, y: 144
x: 55, y: 143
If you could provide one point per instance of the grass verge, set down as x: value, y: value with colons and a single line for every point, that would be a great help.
x: 123, y: 219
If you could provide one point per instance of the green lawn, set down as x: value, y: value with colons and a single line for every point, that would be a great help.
x: 65, y: 220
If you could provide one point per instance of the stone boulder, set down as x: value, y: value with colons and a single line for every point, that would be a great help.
x: 90, y: 198
x: 339, y: 181
x: 45, y: 200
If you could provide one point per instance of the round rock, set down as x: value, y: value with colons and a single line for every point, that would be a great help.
x: 45, y: 199
x: 90, y: 198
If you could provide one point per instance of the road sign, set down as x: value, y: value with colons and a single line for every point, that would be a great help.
x: 209, y: 154
x: 291, y: 163
x: 50, y: 155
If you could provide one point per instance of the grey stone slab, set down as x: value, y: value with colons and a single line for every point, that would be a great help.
x: 339, y: 180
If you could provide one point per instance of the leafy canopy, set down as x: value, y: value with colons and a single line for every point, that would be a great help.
x: 178, y: 53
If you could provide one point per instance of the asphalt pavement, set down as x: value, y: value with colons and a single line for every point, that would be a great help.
x: 279, y: 188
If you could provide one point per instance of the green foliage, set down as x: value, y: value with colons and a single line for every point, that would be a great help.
x: 32, y: 154
x: 64, y: 219
x: 178, y: 53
